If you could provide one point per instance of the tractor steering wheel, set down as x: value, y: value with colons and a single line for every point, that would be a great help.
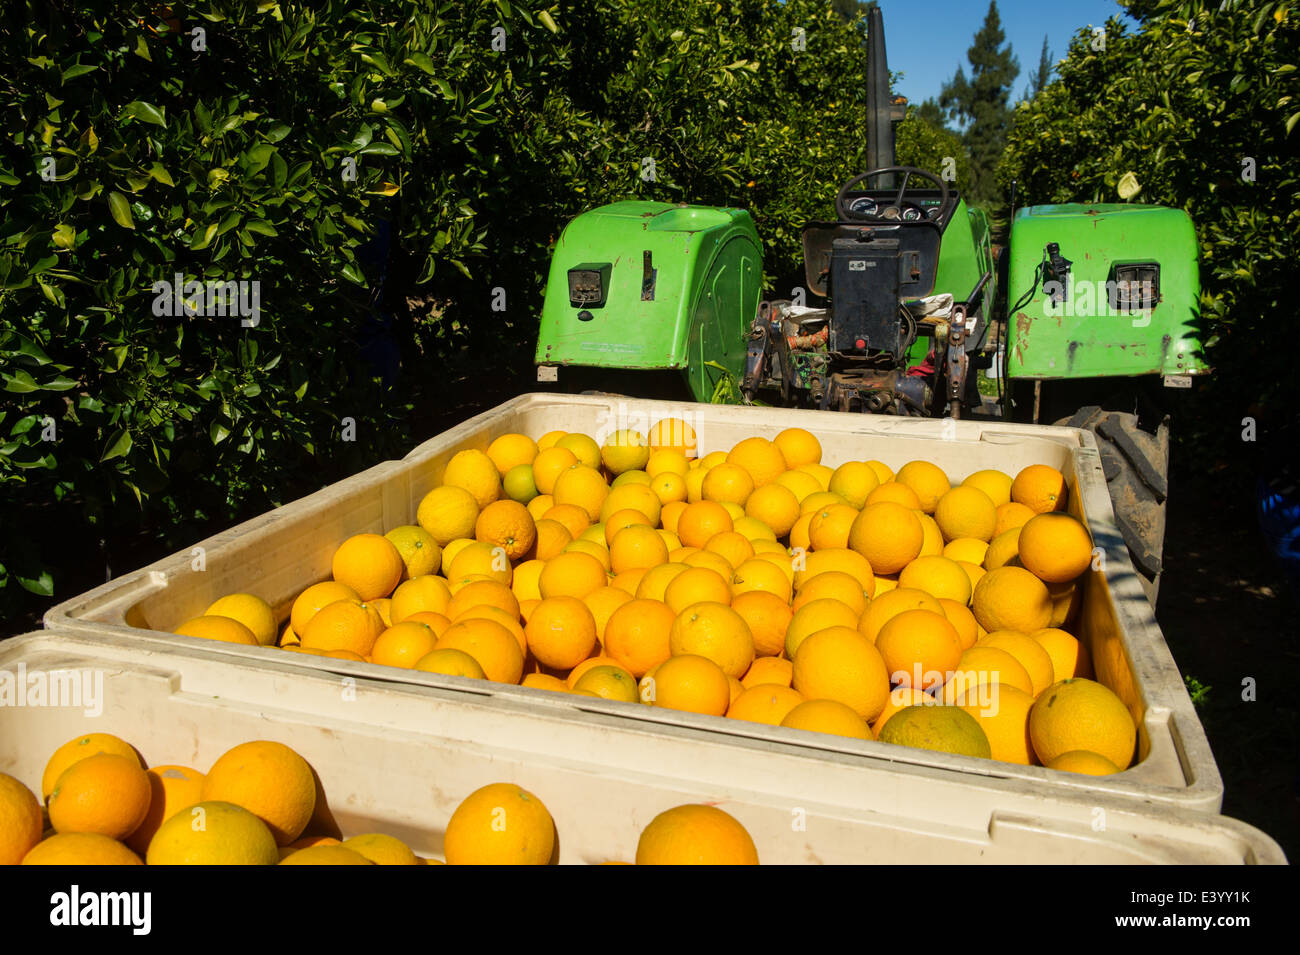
x: 841, y: 202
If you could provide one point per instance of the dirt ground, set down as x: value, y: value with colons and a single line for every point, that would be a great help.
x: 1228, y: 618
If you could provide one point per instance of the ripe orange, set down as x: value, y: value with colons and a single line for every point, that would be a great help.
x: 1040, y: 488
x: 78, y: 749
x: 689, y: 682
x: 585, y: 545
x: 966, y: 512
x: 500, y: 824
x: 1069, y: 655
x: 761, y: 459
x: 474, y: 471
x: 817, y: 615
x: 506, y: 524
x: 403, y: 644
x: 854, y: 481
x: 996, y: 484
x: 582, y: 486
x: 1009, y: 516
x: 1004, y: 550
x: 727, y: 483
x: 695, y: 835
x: 1003, y: 714
x: 769, y: 670
x: 666, y: 461
x: 927, y: 480
x: 572, y: 574
x: 549, y: 465
x: 700, y: 521
x: 511, y: 450
x: 81, y: 848
x: 425, y: 594
x: 20, y: 820
x: 561, y: 632
x: 483, y: 593
x: 638, y: 635
x: 714, y: 631
x: 767, y: 616
x: 892, y: 492
x: 624, y: 451
x: 761, y: 575
x: 732, y: 546
x: 776, y: 506
x: 220, y: 628
x: 450, y: 662
x: 900, y: 698
x: 268, y: 779
x: 798, y: 447
x: 172, y: 788
x: 984, y: 665
x: 840, y: 664
x: 213, y: 833
x: 609, y: 683
x: 420, y: 553
x: 1082, y: 714
x: 491, y: 645
x: 381, y: 849
x: 250, y: 610
x: 544, y: 681
x: 966, y: 549
x: 632, y: 497
x: 344, y: 625
x: 937, y: 576
x: 765, y: 703
x: 1028, y: 653
x: 637, y: 547
x: 843, y: 587
x: 827, y: 716
x: 962, y: 620
x: 574, y: 519
x: 1011, y: 598
x: 1082, y: 761
x: 830, y: 525
x: 1056, y: 548
x: 694, y: 585
x: 841, y: 559
x: 370, y: 564
x: 888, y: 535
x: 656, y: 580
x: 800, y: 483
x: 479, y: 558
x: 888, y: 605
x: 447, y: 513
x: 315, y: 597
x: 524, y: 580
x: 920, y: 648
x: 602, y: 603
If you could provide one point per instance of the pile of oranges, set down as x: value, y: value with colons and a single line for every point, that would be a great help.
x: 756, y: 583
x: 261, y: 803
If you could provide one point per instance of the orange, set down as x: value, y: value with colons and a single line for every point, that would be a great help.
x: 920, y: 648
x: 490, y: 593
x: 843, y: 587
x: 888, y: 605
x: 838, y: 663
x: 669, y: 487
x: 633, y: 497
x: 602, y: 603
x: 450, y: 662
x: 544, y: 681
x: 474, y: 471
x: 1082, y: 714
x: 966, y: 512
x: 172, y: 788
x: 491, y: 645
x: 583, y: 486
x: 892, y: 492
x: 551, y: 538
x: 765, y: 703
x: 425, y: 594
x: 900, y: 698
x: 561, y: 632
x: 966, y: 549
x: 548, y: 440
x: 666, y: 461
x: 268, y: 779
x: 420, y: 553
x: 691, y: 683
x: 539, y: 505
x: 701, y: 520
x: 638, y: 633
x: 1011, y: 598
x: 883, y: 471
x: 290, y: 639
x: 525, y: 580
x: 342, y: 654
x: 840, y: 559
x: 382, y: 849
x: 1067, y: 600
x: 774, y: 505
x: 854, y: 481
x: 656, y: 580
x: 761, y: 575
x: 732, y: 546
x: 213, y: 832
x: 932, y: 540
x: 973, y: 573
x: 674, y: 434
x: 584, y: 545
x: 886, y: 583
x: 500, y: 824
x: 800, y: 483
x: 695, y: 835
x: 798, y: 447
x: 827, y: 716
x: 985, y: 665
x: 1004, y: 550
x: 817, y: 615
x: 1040, y: 488
x: 1069, y: 655
x: 1009, y: 516
x: 767, y: 616
x: 1028, y: 653
x: 585, y: 447
x: 694, y: 585
x: 937, y: 576
x: 402, y: 644
x: 447, y: 513
x: 996, y: 484
x: 370, y: 564
x: 727, y: 482
x: 549, y: 465
x: 962, y: 620
x: 324, y: 855
x: 628, y: 581
x: 670, y: 513
x: 829, y: 527
x: 768, y: 670
x: 624, y: 451
x: 1082, y: 761
x: 1003, y: 714
x: 927, y: 480
x: 511, y: 450
x: 20, y: 820
x: 609, y: 683
x: 712, y: 561
x: 1056, y: 548
x: 888, y: 535
x: 762, y: 460
x: 218, y: 628
x: 81, y: 848
x: 799, y: 538
x: 716, y: 632
x: 571, y: 575
x: 526, y: 608
x: 452, y: 550
x: 252, y: 611
x: 344, y: 625
x: 946, y: 729
x: 479, y: 558
x: 577, y: 672
x: 815, y: 502
x: 636, y: 547
x: 506, y: 524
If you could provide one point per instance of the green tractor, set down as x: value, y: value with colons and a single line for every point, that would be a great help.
x: 1087, y: 317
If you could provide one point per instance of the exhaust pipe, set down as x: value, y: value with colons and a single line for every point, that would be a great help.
x: 880, y: 131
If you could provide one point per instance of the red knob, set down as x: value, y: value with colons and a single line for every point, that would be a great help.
x: 860, y: 343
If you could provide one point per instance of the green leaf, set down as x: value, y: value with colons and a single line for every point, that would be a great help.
x: 1291, y: 121
x: 20, y: 382
x: 261, y: 227
x: 218, y: 432
x: 378, y: 149
x: 64, y: 236
x: 422, y: 61
x: 161, y: 175
x: 72, y: 72
x: 42, y: 586
x: 119, y: 443
x: 121, y: 210
x: 548, y: 22
x: 203, y: 237
x: 353, y: 274
x: 146, y: 113
x: 278, y: 132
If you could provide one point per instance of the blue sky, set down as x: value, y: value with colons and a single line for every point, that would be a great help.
x: 927, y: 39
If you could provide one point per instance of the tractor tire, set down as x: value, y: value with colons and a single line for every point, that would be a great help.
x: 1136, y: 465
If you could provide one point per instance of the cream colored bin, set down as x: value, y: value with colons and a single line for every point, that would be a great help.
x: 399, y: 759
x: 278, y: 554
